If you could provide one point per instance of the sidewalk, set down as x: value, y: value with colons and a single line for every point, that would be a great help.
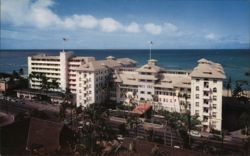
x: 6, y: 119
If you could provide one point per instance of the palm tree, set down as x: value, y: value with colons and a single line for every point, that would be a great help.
x: 21, y: 71
x: 54, y: 84
x: 132, y: 123
x: 238, y: 90
x: 245, y: 121
x: 15, y: 74
x: 229, y: 86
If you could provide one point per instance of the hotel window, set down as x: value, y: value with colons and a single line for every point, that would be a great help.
x: 214, y: 97
x: 214, y: 90
x: 80, y: 91
x: 80, y: 85
x: 197, y: 104
x: 197, y: 96
x: 80, y: 79
x: 214, y: 106
x: 215, y: 81
x: 197, y: 88
x: 196, y: 112
x: 214, y: 114
x: 197, y: 80
x: 170, y: 100
x: 142, y: 92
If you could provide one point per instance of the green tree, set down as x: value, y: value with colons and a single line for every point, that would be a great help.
x: 54, y: 84
x: 21, y: 72
x: 229, y: 85
x: 15, y: 74
x: 245, y: 121
x: 132, y: 123
x: 239, y: 88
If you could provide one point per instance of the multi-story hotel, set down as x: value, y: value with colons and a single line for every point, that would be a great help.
x: 61, y: 68
x: 199, y: 90
x: 94, y: 81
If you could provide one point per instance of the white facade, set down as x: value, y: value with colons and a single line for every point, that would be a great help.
x: 94, y: 77
x: 199, y: 90
x: 206, y: 97
x: 61, y: 68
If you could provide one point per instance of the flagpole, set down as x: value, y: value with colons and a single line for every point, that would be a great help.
x: 150, y: 44
x: 64, y: 40
x: 150, y: 51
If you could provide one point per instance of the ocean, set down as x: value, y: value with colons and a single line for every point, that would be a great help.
x: 235, y: 62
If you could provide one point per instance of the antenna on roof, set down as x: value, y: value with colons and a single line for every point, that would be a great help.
x: 64, y: 40
x: 150, y: 44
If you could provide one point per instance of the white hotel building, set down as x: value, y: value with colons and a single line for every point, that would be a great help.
x: 62, y: 68
x: 198, y: 90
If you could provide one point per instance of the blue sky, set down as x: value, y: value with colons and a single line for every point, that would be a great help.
x: 125, y: 24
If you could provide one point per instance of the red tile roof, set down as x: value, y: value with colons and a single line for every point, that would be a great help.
x: 142, y: 108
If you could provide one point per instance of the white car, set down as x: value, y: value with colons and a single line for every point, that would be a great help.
x: 195, y: 133
x: 120, y: 137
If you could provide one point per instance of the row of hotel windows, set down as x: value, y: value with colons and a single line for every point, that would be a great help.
x: 143, y: 80
x: 214, y: 89
x: 99, y: 85
x: 165, y: 93
x: 143, y: 92
x: 145, y: 73
x: 197, y: 104
x: 101, y: 78
x: 84, y: 72
x: 214, y: 81
x: 101, y: 72
x: 51, y: 69
x: 145, y: 86
x: 166, y: 100
x: 197, y: 96
x: 197, y: 112
x: 87, y: 92
x: 73, y: 65
x: 33, y: 59
x: 88, y: 80
x: 87, y: 86
x: 45, y: 64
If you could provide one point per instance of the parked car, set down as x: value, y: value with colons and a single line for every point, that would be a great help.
x: 120, y: 137
x: 195, y: 133
x: 215, y: 137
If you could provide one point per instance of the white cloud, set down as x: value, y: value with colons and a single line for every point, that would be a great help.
x: 169, y: 27
x: 38, y: 14
x: 153, y: 28
x: 210, y: 36
x: 88, y: 21
x: 109, y: 25
x: 41, y: 16
x: 133, y: 28
x: 80, y: 21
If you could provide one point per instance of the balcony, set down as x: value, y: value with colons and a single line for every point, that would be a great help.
x: 205, y: 113
x: 205, y: 123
